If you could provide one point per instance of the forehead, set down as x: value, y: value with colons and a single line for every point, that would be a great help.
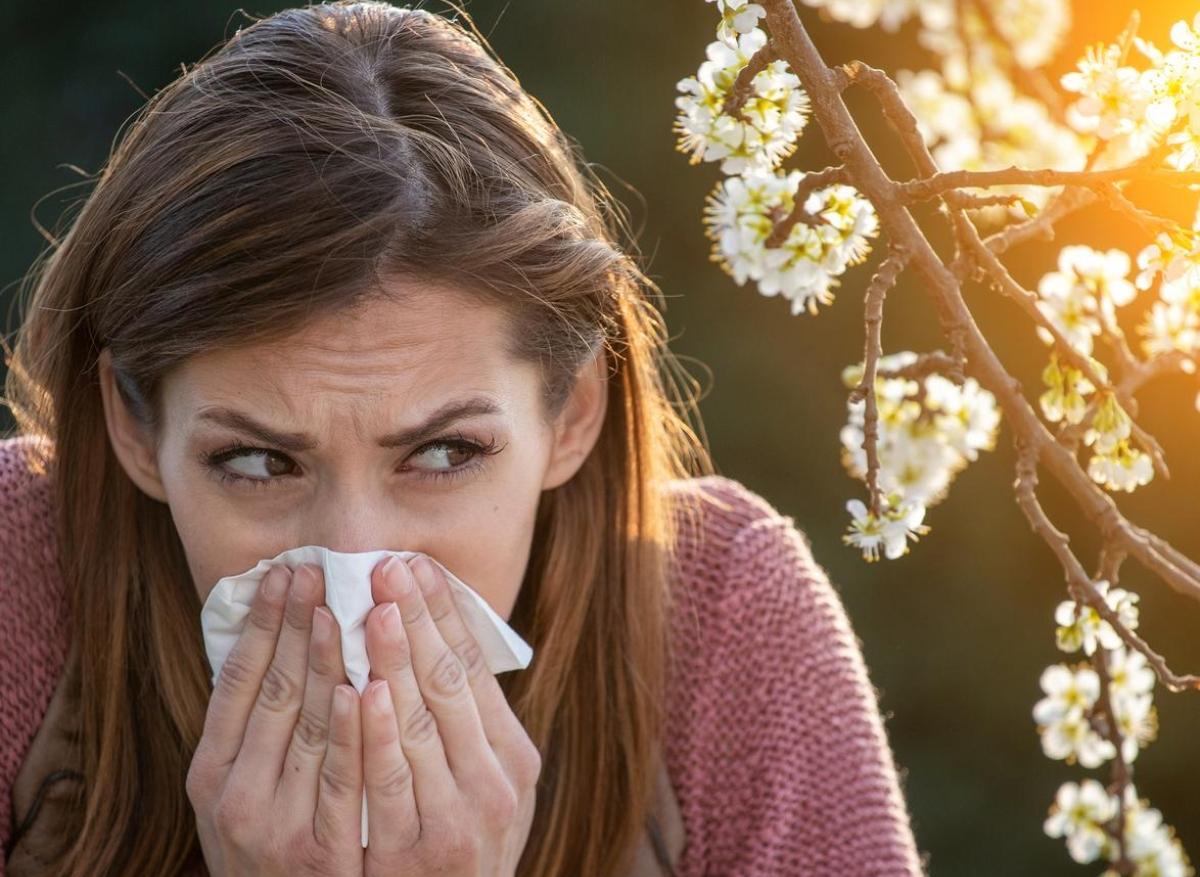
x: 426, y: 342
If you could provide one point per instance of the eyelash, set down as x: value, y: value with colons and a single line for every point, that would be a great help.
x: 214, y: 460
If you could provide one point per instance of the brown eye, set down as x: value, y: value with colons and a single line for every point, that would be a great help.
x: 447, y: 455
x: 257, y: 464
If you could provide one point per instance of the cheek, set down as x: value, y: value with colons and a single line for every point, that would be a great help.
x: 489, y: 549
x: 216, y: 541
x: 215, y: 546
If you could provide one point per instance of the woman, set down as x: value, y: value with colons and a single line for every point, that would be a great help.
x: 345, y: 283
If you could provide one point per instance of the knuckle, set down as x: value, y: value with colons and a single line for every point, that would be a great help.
x: 397, y: 782
x: 457, y: 848
x: 448, y: 675
x: 200, y: 784
x: 528, y: 764
x: 279, y: 690
x: 397, y: 659
x: 312, y: 732
x: 419, y: 613
x: 470, y: 655
x: 231, y: 817
x: 336, y: 784
x: 297, y: 614
x: 264, y: 616
x: 500, y: 804
x: 439, y: 608
x: 420, y: 726
x: 238, y: 672
x: 321, y: 662
x: 310, y: 856
x: 301, y: 849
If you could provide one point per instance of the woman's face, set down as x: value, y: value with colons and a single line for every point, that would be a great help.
x: 360, y: 433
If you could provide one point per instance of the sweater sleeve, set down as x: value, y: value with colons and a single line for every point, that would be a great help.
x: 809, y: 779
x: 33, y: 626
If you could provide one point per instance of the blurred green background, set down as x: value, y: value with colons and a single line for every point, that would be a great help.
x: 956, y: 633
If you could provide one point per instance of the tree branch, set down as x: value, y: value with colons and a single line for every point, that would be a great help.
x: 914, y: 191
x: 824, y: 87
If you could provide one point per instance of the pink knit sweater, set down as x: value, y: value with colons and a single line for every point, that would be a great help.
x: 776, y: 749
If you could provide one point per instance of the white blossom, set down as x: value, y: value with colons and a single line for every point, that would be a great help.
x: 741, y: 213
x: 1062, y: 716
x: 1079, y: 298
x: 771, y: 119
x: 973, y: 118
x: 737, y: 17
x: 1110, y: 93
x: 1149, y: 843
x: 1078, y: 813
x: 927, y: 431
x: 1034, y: 28
x: 1080, y: 625
x: 1066, y: 398
x: 1122, y: 468
x: 891, y: 530
x: 1130, y: 686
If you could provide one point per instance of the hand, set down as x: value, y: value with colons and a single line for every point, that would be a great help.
x: 275, y: 782
x: 450, y: 772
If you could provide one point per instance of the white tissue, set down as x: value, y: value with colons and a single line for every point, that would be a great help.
x: 348, y: 598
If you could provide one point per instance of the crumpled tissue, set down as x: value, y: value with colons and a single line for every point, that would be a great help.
x: 348, y: 597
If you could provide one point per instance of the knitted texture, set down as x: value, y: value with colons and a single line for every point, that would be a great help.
x: 775, y: 744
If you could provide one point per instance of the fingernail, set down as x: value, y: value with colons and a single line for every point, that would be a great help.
x: 401, y: 580
x: 425, y: 575
x: 381, y: 697
x: 391, y: 620
x: 342, y: 700
x: 322, y: 624
x: 276, y: 582
x: 305, y: 583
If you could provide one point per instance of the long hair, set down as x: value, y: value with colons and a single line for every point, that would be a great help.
x: 289, y: 173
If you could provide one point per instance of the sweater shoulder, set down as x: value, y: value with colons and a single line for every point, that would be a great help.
x: 718, y: 520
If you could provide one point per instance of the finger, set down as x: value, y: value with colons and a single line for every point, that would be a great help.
x: 337, y: 821
x: 442, y: 679
x: 269, y: 729
x: 504, y: 730
x: 310, y: 737
x: 434, y: 788
x: 240, y: 678
x: 393, y: 824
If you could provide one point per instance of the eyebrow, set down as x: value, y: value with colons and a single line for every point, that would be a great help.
x: 299, y: 441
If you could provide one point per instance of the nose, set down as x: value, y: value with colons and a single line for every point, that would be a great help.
x: 355, y: 520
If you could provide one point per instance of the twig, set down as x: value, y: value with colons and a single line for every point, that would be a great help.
x: 1067, y: 201
x: 927, y: 363
x: 884, y: 279
x: 1077, y: 578
x: 744, y: 84
x: 1027, y: 300
x: 1122, y: 775
x: 1134, y: 378
x: 809, y: 183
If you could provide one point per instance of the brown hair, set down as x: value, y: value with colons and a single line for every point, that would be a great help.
x: 315, y: 153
